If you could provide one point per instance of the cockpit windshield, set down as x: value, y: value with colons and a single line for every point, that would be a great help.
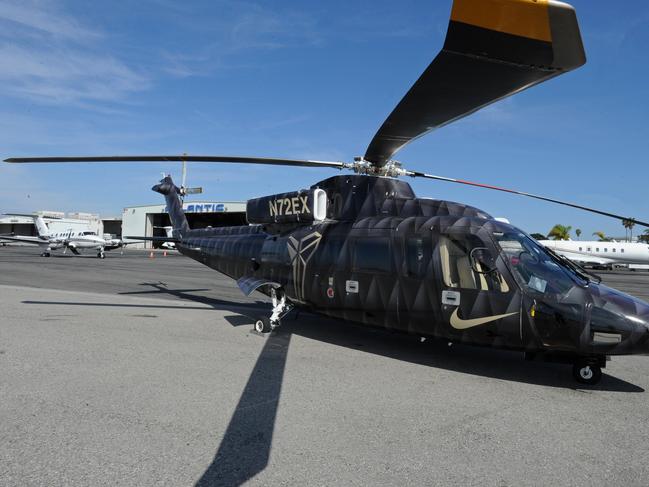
x: 533, y: 267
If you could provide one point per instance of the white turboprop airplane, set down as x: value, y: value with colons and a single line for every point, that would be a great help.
x: 596, y: 253
x: 74, y: 240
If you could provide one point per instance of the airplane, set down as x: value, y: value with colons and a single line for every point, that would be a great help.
x: 168, y: 244
x: 600, y: 254
x: 364, y: 248
x: 75, y: 240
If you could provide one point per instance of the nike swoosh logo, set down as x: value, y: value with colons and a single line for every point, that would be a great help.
x: 460, y: 324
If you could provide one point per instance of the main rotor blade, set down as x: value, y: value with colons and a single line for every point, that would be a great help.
x: 182, y: 158
x: 493, y: 49
x: 529, y: 195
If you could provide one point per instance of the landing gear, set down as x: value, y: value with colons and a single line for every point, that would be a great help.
x: 586, y: 369
x: 262, y: 325
x: 101, y: 255
x: 280, y: 308
x: 586, y: 372
x: 45, y: 254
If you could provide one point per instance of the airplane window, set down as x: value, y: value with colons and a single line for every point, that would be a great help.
x: 597, y: 249
x: 579, y: 249
x: 622, y: 250
x: 457, y: 269
x: 372, y: 255
x: 418, y: 252
x: 588, y: 249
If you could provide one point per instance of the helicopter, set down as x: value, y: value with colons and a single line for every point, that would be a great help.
x: 364, y: 248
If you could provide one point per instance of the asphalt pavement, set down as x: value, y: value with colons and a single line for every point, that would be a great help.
x: 145, y: 371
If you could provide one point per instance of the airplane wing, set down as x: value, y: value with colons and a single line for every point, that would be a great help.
x: 26, y: 239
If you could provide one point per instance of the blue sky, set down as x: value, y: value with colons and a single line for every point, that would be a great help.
x: 306, y: 79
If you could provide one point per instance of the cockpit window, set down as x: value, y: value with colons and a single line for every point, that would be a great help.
x: 532, y: 266
x: 460, y: 269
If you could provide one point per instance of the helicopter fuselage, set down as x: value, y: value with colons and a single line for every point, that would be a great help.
x: 432, y: 268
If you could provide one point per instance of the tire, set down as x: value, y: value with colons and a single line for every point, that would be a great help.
x: 586, y: 373
x: 101, y: 255
x: 262, y: 325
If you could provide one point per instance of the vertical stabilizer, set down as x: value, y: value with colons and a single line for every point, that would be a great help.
x: 41, y: 227
x: 174, y: 206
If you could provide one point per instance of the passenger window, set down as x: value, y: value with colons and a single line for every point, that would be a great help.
x: 597, y: 249
x: 605, y: 249
x: 459, y: 271
x: 372, y: 255
x: 622, y: 250
x: 418, y: 252
x: 579, y: 249
x: 613, y: 249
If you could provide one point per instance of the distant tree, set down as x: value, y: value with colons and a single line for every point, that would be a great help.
x: 538, y: 236
x: 629, y: 224
x: 645, y: 236
x: 578, y: 233
x: 560, y: 232
x: 601, y: 236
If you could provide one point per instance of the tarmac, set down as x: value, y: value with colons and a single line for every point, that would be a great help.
x: 140, y: 371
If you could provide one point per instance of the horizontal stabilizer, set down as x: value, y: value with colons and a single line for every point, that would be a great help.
x: 154, y: 239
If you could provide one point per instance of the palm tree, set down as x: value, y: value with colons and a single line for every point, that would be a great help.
x: 601, y: 236
x: 645, y: 236
x: 560, y: 232
x: 578, y: 233
x: 629, y: 224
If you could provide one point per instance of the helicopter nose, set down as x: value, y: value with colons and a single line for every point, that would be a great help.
x: 618, y: 318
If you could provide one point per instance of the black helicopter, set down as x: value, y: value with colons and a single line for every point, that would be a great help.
x: 364, y: 248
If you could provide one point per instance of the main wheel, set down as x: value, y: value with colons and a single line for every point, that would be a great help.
x: 101, y: 255
x: 262, y: 325
x: 586, y: 373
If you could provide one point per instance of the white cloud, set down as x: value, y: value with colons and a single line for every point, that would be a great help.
x: 42, y: 17
x: 51, y: 58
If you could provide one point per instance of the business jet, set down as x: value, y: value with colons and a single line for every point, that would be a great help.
x: 596, y: 253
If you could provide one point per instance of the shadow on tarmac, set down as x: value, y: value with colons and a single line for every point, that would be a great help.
x: 244, y: 450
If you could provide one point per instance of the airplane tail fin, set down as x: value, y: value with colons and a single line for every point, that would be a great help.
x: 41, y: 227
x: 171, y: 192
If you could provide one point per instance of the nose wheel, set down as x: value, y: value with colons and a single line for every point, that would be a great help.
x: 587, y: 373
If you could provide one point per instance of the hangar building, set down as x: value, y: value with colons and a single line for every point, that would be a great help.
x: 148, y: 221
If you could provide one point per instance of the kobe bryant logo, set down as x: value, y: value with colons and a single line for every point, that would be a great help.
x: 300, y: 252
